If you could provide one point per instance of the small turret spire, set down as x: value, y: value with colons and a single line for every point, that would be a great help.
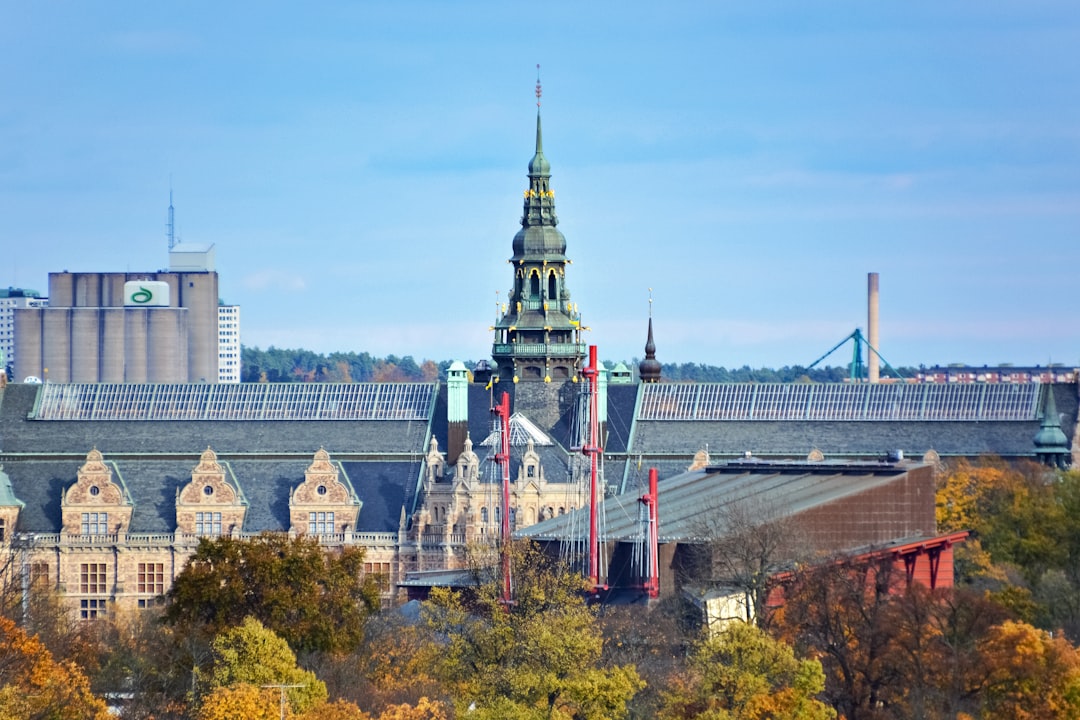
x: 649, y: 368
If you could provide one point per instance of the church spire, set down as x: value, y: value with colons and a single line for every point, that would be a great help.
x: 538, y: 335
x: 649, y: 368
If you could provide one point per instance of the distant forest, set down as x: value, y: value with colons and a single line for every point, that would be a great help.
x: 285, y: 365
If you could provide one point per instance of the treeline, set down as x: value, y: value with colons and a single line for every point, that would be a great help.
x: 288, y: 365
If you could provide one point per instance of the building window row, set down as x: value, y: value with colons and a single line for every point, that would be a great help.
x: 151, y: 579
x: 94, y: 523
x: 320, y: 523
x: 92, y: 579
x: 208, y: 524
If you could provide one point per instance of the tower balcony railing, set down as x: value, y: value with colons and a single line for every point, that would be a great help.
x: 540, y: 349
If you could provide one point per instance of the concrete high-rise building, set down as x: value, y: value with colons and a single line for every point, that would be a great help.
x: 228, y: 343
x: 158, y: 327
x: 10, y: 299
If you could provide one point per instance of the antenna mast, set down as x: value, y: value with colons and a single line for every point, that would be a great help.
x: 170, y: 228
x: 502, y: 458
x: 593, y: 449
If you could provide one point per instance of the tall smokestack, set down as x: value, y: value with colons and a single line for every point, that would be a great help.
x: 872, y: 326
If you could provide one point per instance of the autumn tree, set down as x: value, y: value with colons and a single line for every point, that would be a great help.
x: 742, y: 546
x: 240, y: 701
x: 537, y: 657
x: 840, y: 612
x: 424, y: 709
x: 1028, y: 674
x: 740, y: 673
x: 34, y: 685
x: 254, y: 655
x: 337, y: 710
x: 654, y: 640
x: 317, y: 600
x: 390, y: 668
x: 150, y: 661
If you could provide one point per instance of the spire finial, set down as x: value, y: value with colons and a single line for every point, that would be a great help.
x: 650, y: 303
x: 539, y: 91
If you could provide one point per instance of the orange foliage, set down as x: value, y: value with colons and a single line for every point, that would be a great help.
x: 1029, y: 674
x: 33, y: 684
x: 337, y: 710
x: 240, y: 701
x: 423, y: 710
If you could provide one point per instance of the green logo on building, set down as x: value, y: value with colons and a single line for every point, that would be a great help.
x: 142, y: 296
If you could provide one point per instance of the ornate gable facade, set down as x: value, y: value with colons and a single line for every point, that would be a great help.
x: 95, y: 504
x: 211, y: 504
x: 323, y: 504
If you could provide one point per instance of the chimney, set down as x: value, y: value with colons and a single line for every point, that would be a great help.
x: 872, y: 327
x: 457, y: 410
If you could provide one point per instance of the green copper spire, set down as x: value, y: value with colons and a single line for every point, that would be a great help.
x: 539, y: 167
x: 538, y: 336
x: 1051, y: 445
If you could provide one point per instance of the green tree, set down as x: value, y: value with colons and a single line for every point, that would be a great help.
x: 536, y: 658
x: 317, y: 600
x: 251, y: 654
x: 741, y: 673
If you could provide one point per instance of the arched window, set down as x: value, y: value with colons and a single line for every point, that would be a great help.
x: 534, y: 284
x: 552, y: 295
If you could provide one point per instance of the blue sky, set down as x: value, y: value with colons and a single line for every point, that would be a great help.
x: 359, y: 167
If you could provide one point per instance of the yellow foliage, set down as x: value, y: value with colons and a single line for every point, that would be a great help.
x: 240, y: 701
x: 337, y: 710
x: 423, y: 710
x: 1029, y: 674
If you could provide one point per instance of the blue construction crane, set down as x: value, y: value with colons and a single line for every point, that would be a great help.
x: 856, y: 368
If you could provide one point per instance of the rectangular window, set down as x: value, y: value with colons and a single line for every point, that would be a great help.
x: 94, y: 523
x: 39, y: 574
x: 380, y: 572
x: 151, y: 578
x: 91, y: 608
x: 320, y: 523
x: 208, y: 523
x: 3, y: 529
x: 92, y: 579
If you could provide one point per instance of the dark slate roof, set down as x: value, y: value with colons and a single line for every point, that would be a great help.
x: 869, y: 438
x: 383, y: 488
x: 621, y: 401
